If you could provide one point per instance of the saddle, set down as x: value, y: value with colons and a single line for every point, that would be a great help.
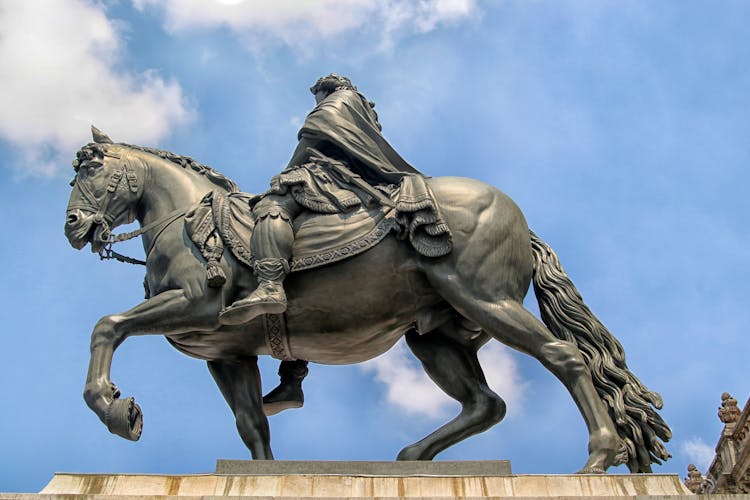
x: 223, y: 220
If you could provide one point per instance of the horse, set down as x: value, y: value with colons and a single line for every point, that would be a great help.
x: 482, y: 282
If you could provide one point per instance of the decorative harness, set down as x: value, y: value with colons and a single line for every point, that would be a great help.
x: 105, y: 220
x: 274, y: 325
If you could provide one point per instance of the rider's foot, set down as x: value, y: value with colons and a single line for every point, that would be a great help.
x: 286, y: 396
x: 268, y: 298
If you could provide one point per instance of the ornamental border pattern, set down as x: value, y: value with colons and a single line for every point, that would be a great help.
x: 277, y: 337
x: 375, y: 236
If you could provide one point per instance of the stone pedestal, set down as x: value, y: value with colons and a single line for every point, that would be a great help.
x: 286, y: 480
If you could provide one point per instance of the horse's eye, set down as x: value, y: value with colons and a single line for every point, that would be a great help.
x: 90, y: 168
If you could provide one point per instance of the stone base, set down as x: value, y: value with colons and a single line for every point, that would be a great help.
x: 336, y: 486
x: 285, y: 480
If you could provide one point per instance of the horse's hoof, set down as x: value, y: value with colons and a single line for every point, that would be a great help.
x: 125, y: 418
x: 411, y: 453
x: 592, y: 470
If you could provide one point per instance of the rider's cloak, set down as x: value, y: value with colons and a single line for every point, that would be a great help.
x: 345, y: 127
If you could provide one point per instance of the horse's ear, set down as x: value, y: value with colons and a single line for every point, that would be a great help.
x: 99, y: 136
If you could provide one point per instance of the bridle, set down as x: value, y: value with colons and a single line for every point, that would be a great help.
x: 106, y: 252
x: 104, y: 219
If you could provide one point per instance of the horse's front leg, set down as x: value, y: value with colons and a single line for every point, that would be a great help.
x: 167, y: 313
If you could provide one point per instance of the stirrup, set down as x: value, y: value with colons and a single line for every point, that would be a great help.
x: 252, y: 306
x: 243, y: 313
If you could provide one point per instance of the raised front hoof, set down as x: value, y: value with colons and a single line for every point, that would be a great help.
x: 125, y: 418
x: 240, y: 313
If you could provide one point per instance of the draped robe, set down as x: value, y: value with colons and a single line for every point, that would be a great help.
x: 345, y: 127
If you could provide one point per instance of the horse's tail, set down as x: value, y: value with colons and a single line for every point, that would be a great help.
x: 631, y: 405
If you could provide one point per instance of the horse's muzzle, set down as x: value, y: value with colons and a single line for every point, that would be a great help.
x: 78, y: 228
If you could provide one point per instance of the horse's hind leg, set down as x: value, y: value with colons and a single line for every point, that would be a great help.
x: 456, y: 370
x: 510, y: 323
x: 239, y: 382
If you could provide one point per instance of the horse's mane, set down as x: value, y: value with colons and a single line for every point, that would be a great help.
x: 91, y: 150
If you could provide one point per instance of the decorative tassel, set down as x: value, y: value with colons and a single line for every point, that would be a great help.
x: 215, y: 274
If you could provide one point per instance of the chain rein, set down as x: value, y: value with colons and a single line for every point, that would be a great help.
x: 106, y: 252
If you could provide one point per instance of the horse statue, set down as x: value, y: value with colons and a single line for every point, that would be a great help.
x: 481, y: 283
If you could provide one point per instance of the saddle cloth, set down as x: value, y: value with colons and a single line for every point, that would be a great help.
x: 221, y: 219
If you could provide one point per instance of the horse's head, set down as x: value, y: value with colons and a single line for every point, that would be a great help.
x: 105, y: 193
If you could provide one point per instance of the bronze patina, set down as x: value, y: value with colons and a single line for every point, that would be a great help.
x: 445, y: 262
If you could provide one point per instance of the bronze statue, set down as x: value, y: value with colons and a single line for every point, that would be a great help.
x: 360, y: 278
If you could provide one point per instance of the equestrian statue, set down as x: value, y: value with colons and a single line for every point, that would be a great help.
x: 349, y: 250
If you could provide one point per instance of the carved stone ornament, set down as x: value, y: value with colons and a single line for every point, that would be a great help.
x: 694, y: 478
x: 729, y: 413
x: 729, y: 471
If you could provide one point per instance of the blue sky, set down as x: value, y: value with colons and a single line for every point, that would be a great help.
x: 620, y: 129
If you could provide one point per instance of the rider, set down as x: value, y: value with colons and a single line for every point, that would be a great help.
x: 343, y: 130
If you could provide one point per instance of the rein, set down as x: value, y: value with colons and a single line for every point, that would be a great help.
x: 106, y: 252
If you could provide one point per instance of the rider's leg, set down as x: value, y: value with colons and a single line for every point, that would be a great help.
x: 271, y: 246
x: 289, y: 393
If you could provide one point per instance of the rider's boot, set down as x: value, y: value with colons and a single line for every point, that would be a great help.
x: 289, y: 393
x: 271, y: 245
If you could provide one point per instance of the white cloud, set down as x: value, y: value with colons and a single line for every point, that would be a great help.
x: 409, y: 388
x: 429, y: 13
x: 58, y: 75
x: 407, y: 385
x: 503, y: 376
x: 297, y: 23
x: 699, y: 453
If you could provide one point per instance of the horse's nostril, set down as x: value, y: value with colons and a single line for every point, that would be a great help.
x: 72, y: 218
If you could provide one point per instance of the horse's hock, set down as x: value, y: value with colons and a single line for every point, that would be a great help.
x: 313, y: 479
